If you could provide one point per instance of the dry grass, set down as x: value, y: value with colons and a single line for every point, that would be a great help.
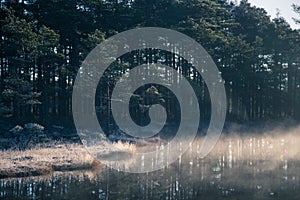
x: 267, y: 150
x: 62, y: 157
x: 42, y: 161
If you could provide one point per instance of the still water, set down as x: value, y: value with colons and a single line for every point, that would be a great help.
x: 238, y: 168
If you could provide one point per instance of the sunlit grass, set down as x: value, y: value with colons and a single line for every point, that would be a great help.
x: 62, y: 157
x: 268, y: 151
x: 38, y: 161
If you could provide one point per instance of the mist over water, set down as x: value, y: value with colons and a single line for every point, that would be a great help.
x: 247, y: 166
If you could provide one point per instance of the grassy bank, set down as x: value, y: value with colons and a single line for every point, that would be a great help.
x: 42, y: 161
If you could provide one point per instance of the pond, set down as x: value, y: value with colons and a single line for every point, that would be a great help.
x: 238, y: 168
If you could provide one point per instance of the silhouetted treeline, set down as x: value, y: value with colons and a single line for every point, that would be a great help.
x: 43, y: 43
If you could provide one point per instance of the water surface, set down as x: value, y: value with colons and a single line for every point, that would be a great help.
x: 238, y: 168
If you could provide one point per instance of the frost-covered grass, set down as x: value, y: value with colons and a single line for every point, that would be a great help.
x: 61, y: 157
x: 268, y: 150
x: 38, y: 161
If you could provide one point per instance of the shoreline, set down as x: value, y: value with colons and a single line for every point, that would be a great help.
x: 44, y: 161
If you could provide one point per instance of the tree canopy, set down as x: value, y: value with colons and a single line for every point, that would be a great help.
x: 44, y: 42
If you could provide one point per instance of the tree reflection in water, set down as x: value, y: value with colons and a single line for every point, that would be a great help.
x: 258, y: 167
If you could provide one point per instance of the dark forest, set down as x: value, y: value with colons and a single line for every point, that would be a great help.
x: 44, y: 42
